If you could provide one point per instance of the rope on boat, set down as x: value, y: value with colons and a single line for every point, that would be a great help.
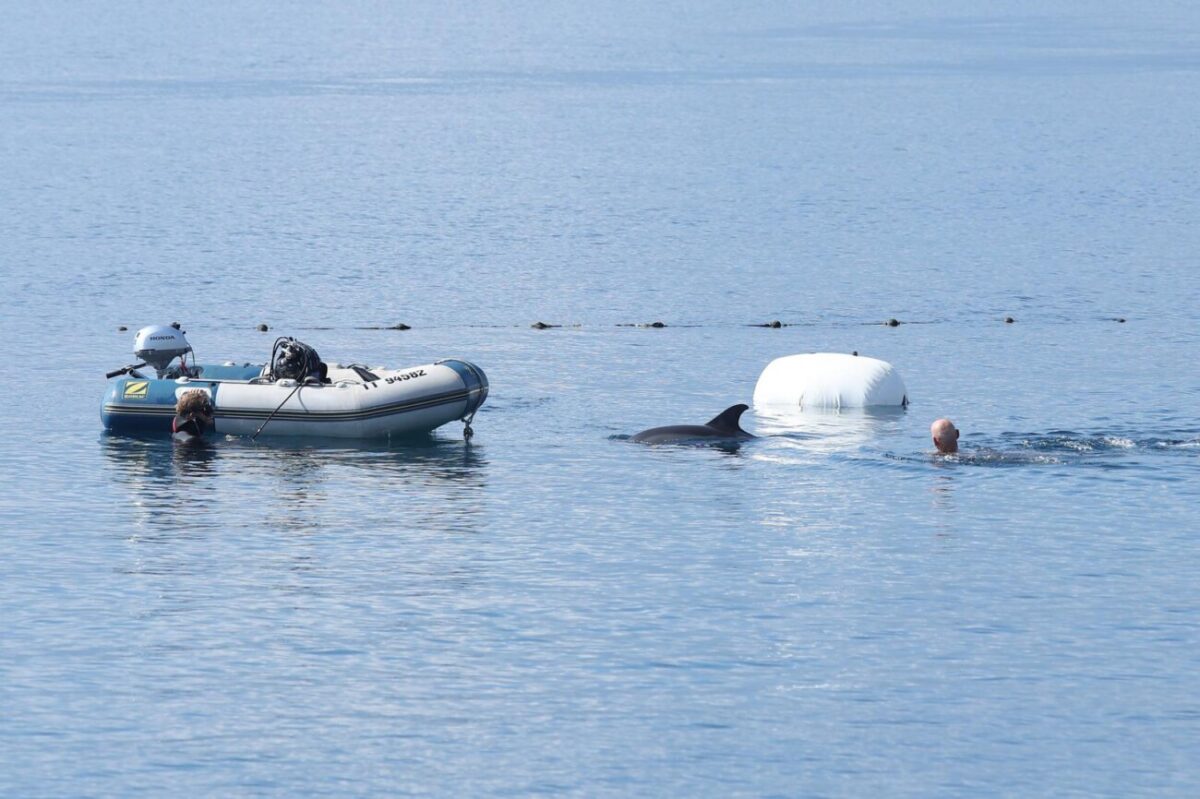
x: 272, y: 416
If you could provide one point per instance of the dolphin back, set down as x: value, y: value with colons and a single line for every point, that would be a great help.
x: 675, y: 434
x: 726, y: 422
x: 723, y: 426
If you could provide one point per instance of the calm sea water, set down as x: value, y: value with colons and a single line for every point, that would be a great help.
x: 825, y: 611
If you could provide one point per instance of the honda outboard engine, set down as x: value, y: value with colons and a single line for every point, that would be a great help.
x: 158, y: 345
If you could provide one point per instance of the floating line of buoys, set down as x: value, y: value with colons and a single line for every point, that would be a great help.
x: 774, y: 324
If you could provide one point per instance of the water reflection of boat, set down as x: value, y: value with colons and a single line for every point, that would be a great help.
x: 292, y: 516
x: 148, y: 461
x: 172, y: 485
x: 175, y: 492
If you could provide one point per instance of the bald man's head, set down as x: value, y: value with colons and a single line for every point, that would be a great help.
x: 945, y: 436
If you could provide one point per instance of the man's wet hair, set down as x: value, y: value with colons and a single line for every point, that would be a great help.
x: 194, y: 401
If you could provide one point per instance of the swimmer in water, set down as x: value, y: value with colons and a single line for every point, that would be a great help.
x: 945, y: 436
x: 193, y: 416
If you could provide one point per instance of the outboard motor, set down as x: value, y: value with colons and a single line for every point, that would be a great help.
x: 158, y: 345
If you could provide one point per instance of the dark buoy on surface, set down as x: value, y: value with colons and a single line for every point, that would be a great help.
x: 542, y: 326
x: 1120, y: 319
x: 655, y: 324
x: 262, y: 328
x: 122, y: 329
x: 399, y: 326
x: 775, y: 325
x: 1008, y: 320
x: 893, y: 322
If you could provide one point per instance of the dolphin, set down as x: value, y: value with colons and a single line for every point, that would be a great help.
x: 722, y: 427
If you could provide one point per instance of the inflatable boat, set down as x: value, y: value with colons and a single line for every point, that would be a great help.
x: 294, y: 394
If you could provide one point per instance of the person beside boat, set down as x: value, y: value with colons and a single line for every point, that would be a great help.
x: 193, y: 416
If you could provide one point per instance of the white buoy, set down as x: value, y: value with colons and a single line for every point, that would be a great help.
x: 830, y: 381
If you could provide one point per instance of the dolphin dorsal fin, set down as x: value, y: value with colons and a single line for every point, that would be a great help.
x: 727, y: 420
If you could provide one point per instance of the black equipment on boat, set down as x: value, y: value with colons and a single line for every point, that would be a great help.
x: 294, y: 360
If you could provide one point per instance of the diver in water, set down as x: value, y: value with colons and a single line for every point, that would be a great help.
x: 193, y: 416
x: 945, y: 436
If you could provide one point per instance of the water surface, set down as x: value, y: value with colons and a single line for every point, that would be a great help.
x: 825, y: 611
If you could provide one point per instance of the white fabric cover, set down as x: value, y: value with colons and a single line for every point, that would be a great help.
x: 829, y: 380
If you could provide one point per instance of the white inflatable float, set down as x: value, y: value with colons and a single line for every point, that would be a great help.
x: 830, y: 381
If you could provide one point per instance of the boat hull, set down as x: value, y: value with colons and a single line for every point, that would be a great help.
x: 400, y: 402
